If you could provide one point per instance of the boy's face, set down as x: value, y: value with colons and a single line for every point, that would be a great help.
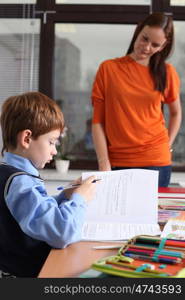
x: 42, y: 150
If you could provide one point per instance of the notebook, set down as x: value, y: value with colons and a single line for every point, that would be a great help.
x: 125, y: 205
x: 172, y: 192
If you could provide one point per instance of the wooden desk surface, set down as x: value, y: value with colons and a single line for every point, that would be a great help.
x: 73, y: 260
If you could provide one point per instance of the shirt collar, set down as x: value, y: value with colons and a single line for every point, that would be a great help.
x: 20, y: 162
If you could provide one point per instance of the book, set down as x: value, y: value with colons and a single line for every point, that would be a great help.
x: 165, y: 214
x: 125, y: 204
x: 171, y: 198
x: 171, y: 203
x: 172, y: 206
x: 171, y: 192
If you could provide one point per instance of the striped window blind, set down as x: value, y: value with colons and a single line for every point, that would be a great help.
x: 19, y: 57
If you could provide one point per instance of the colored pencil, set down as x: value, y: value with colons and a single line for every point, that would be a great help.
x: 162, y: 251
x: 168, y: 242
x: 151, y: 254
x: 147, y: 258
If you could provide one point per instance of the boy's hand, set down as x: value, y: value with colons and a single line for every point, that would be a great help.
x: 68, y: 192
x: 87, y: 188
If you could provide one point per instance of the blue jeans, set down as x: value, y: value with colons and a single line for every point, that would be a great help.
x: 164, y: 173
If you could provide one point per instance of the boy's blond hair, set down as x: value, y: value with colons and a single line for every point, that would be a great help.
x: 34, y: 111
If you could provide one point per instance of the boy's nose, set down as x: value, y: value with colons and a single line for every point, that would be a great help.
x: 54, y: 152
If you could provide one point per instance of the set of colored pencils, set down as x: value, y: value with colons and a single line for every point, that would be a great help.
x: 147, y: 248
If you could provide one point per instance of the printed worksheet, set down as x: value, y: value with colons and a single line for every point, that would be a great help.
x: 125, y: 204
x: 175, y: 227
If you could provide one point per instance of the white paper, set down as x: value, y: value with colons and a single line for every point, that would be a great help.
x: 125, y: 204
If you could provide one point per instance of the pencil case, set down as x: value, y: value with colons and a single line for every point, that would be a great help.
x: 146, y: 256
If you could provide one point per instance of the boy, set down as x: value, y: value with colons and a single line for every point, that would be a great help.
x: 31, y: 222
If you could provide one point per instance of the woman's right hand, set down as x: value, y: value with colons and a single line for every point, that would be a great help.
x: 87, y: 188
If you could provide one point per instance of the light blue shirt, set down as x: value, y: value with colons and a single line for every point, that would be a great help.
x: 52, y: 219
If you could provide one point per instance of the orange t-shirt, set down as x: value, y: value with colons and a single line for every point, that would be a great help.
x: 126, y: 103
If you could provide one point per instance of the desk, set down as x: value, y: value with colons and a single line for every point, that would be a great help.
x: 73, y: 260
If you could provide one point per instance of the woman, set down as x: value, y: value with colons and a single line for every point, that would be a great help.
x: 128, y: 93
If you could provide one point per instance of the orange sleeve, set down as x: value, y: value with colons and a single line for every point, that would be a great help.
x: 173, y: 85
x: 98, y: 98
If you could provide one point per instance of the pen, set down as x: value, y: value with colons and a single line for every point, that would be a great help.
x: 73, y: 185
x: 107, y: 247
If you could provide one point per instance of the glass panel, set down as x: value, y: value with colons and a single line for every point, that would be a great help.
x: 18, y: 1
x: 124, y: 2
x: 177, y: 2
x: 76, y: 62
x: 178, y: 61
x: 19, y: 56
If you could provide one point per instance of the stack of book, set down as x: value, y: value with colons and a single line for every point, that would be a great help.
x: 172, y: 198
x: 171, y: 202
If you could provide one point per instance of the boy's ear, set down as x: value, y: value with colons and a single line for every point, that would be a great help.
x: 24, y: 138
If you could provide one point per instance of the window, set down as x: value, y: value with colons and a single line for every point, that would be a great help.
x: 177, y: 2
x: 76, y: 63
x: 124, y: 2
x: 177, y: 60
x: 74, y: 29
x: 19, y: 53
x: 18, y: 1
